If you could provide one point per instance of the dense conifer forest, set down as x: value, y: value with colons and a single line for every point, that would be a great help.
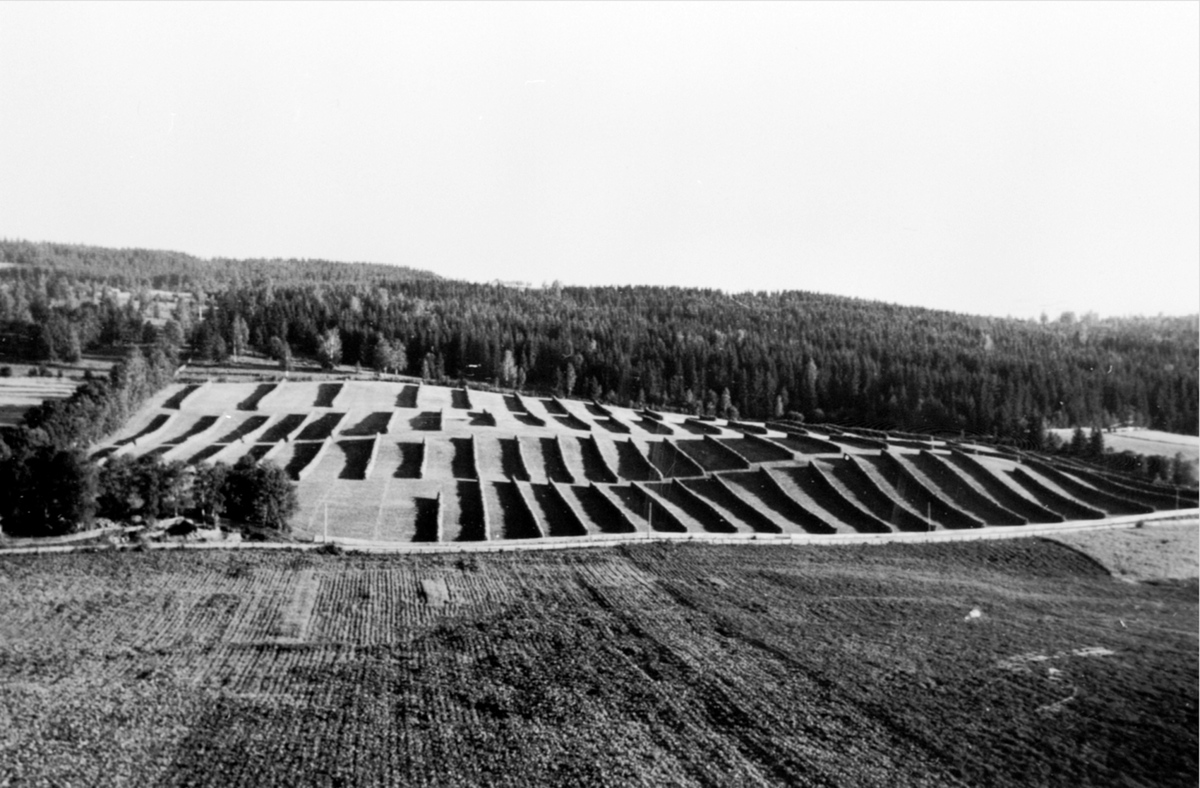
x: 757, y: 355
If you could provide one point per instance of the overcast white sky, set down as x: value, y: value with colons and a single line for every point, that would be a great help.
x: 993, y: 157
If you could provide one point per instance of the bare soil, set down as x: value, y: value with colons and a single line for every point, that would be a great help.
x: 1009, y: 663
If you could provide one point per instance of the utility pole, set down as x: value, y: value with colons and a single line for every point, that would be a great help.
x: 928, y: 516
x: 327, y: 521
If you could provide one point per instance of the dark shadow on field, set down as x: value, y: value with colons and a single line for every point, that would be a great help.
x: 357, y: 455
x: 857, y: 442
x: 754, y: 450
x: 178, y: 397
x: 595, y: 469
x: 614, y: 426
x: 482, y: 419
x: 556, y: 467
x: 755, y: 484
x: 158, y: 451
x: 873, y: 500
x: 412, y: 456
x: 598, y: 411
x: 654, y: 427
x: 746, y: 427
x: 205, y: 453
x: 282, y: 428
x: 697, y: 428
x: 952, y: 486
x: 407, y: 398
x: 513, y: 404
x: 718, y: 494
x: 805, y: 444
x: 571, y: 421
x: 671, y: 461
x: 374, y: 424
x: 554, y: 408
x: 326, y: 394
x: 515, y: 520
x: 637, y: 501
x: 258, y: 450
x: 711, y: 456
x: 603, y: 513
x: 320, y: 429
x: 102, y: 453
x: 460, y: 399
x: 1002, y: 493
x: 260, y: 391
x: 201, y: 424
x: 907, y: 444
x: 462, y: 466
x: 560, y: 519
x: 426, y: 520
x: 302, y: 455
x: 512, y: 463
x: 154, y: 424
x: 709, y: 518
x: 811, y: 483
x: 914, y: 492
x: 428, y: 421
x: 245, y: 428
x: 1064, y: 505
x: 470, y: 507
x: 530, y: 419
x: 631, y: 465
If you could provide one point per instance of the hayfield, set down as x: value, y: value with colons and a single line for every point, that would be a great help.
x: 1011, y: 663
x: 1167, y: 550
x: 370, y: 456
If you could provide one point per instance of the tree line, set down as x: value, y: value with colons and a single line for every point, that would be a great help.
x: 754, y: 355
x: 750, y: 355
x: 49, y: 486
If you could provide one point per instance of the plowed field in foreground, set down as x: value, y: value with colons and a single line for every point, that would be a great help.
x: 644, y: 665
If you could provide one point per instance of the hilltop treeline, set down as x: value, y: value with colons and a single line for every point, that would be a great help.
x: 757, y: 355
x: 136, y: 268
x: 754, y: 355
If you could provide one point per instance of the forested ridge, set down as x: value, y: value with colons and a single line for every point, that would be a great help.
x: 164, y: 270
x: 759, y: 355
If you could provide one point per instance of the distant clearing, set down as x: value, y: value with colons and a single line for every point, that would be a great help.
x: 1146, y: 442
x: 19, y: 394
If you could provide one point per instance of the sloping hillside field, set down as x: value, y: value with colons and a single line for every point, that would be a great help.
x: 402, y: 463
x: 1011, y: 663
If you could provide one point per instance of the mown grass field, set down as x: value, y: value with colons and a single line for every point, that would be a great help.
x: 1148, y: 442
x: 641, y: 665
x: 368, y: 455
x: 1154, y: 551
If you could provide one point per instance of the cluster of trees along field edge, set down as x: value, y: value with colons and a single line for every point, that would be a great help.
x: 759, y: 355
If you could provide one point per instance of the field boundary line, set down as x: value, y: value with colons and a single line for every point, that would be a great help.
x: 611, y: 540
